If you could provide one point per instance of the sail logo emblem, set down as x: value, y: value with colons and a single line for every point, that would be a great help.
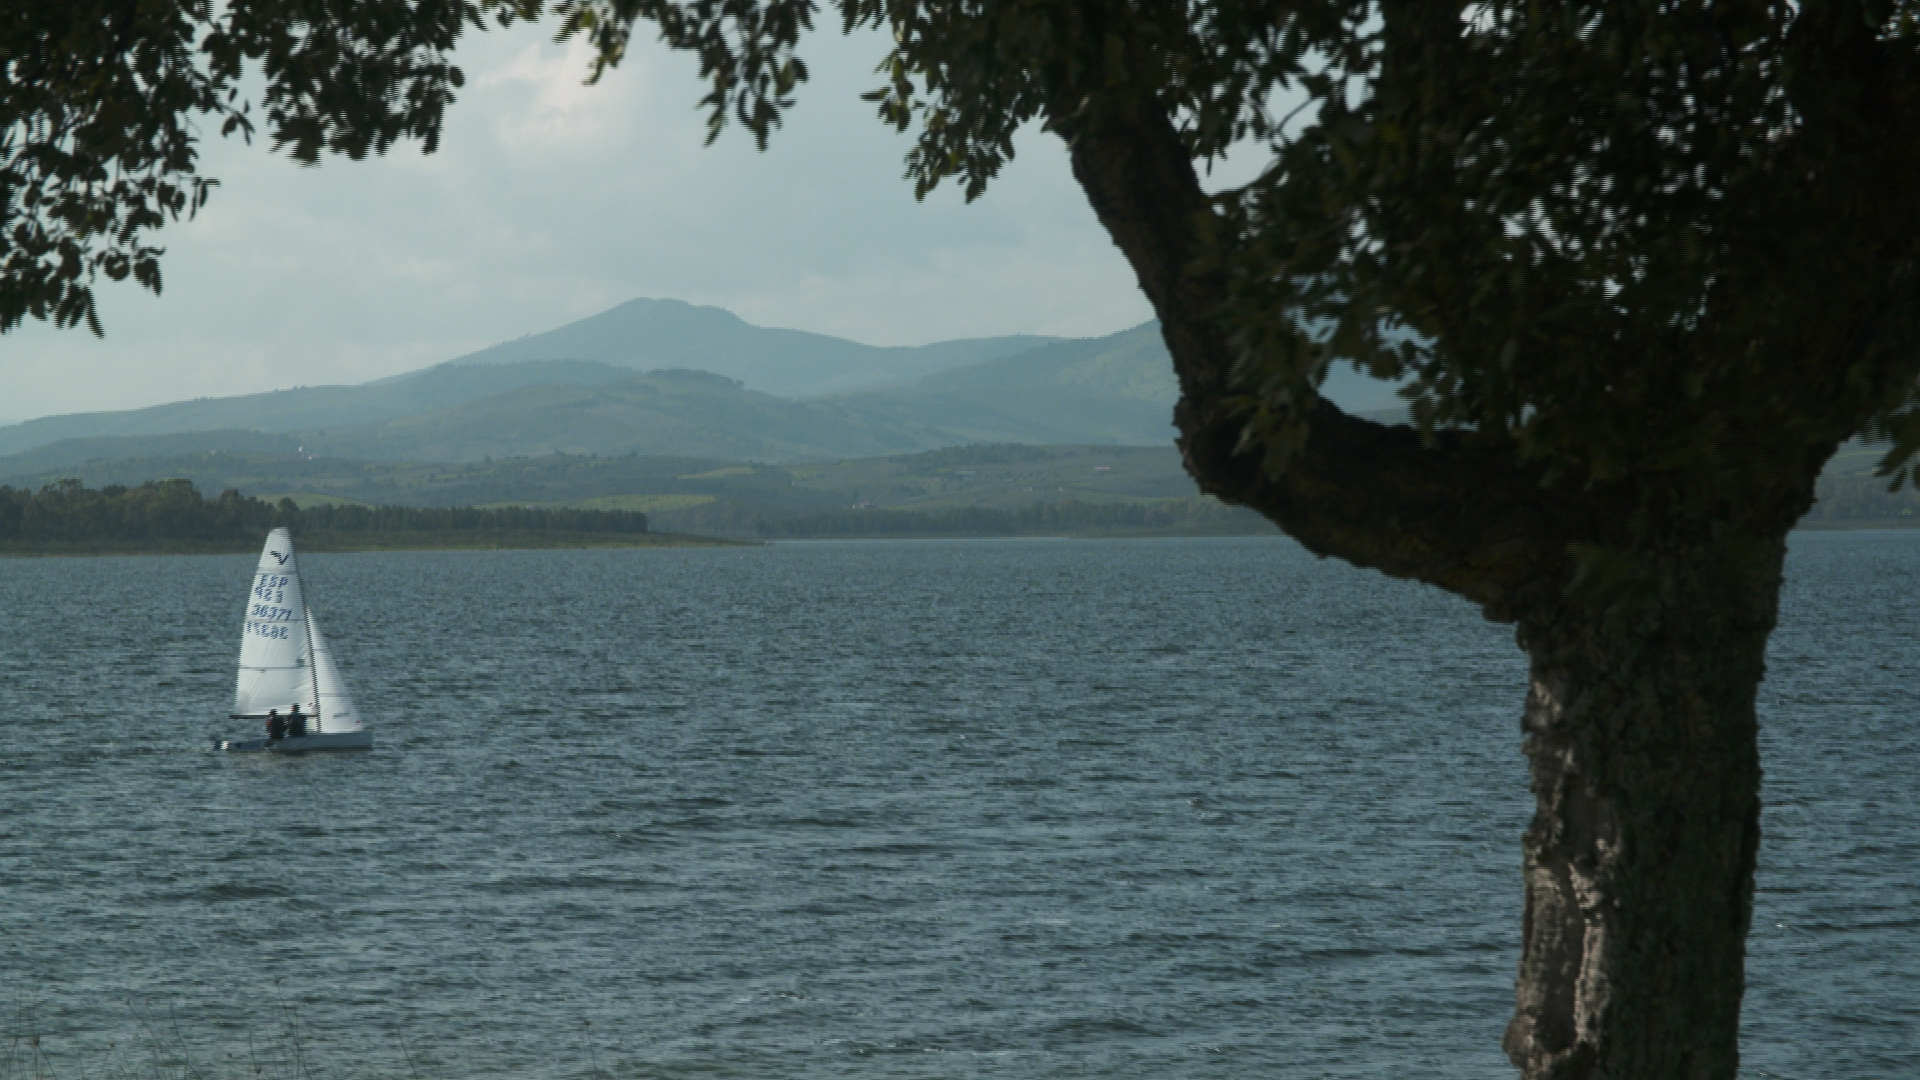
x: 282, y: 558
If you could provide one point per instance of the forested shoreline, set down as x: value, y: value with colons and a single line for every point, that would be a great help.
x: 1170, y: 517
x: 1175, y: 516
x: 172, y: 515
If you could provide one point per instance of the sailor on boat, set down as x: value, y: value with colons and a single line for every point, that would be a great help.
x: 283, y: 655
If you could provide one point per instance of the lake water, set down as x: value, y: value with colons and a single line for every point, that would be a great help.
x: 1193, y: 808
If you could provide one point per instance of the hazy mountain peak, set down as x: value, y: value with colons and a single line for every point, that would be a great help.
x: 648, y: 334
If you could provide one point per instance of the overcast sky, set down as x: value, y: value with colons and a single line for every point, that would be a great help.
x: 550, y: 201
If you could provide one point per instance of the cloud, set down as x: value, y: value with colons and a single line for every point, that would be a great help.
x: 551, y: 200
x: 556, y: 110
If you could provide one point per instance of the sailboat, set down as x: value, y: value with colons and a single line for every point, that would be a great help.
x: 285, y: 663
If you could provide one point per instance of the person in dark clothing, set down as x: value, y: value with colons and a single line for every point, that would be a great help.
x: 276, y: 725
x: 296, y: 723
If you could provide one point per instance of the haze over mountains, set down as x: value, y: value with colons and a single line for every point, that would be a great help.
x: 653, y: 398
x: 649, y: 335
x: 666, y: 377
x: 305, y: 408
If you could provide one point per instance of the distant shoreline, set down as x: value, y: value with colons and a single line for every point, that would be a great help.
x: 1033, y: 534
x: 347, y: 543
x: 322, y: 543
x: 1889, y: 524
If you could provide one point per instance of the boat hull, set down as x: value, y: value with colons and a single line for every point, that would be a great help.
x: 297, y: 744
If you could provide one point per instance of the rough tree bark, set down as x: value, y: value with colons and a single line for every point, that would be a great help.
x: 1639, y: 723
x: 1640, y: 858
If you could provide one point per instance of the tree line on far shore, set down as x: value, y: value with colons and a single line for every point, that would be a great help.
x: 174, y: 510
x: 1070, y: 517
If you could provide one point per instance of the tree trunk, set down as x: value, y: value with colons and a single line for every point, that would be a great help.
x: 1639, y: 861
x: 1645, y: 610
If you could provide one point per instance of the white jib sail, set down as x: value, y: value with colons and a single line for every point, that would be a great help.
x: 276, y: 669
x: 336, y: 711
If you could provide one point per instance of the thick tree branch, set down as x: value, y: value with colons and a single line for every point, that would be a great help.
x: 1466, y: 518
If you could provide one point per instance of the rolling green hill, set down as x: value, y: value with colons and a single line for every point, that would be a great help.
x: 509, y: 401
x: 607, y: 348
x: 68, y: 456
x: 686, y: 413
x: 719, y: 496
x: 970, y: 477
x: 1116, y: 389
x: 1852, y: 494
x: 305, y: 408
x: 1112, y: 390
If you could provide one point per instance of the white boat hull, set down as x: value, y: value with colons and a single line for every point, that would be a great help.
x: 294, y: 744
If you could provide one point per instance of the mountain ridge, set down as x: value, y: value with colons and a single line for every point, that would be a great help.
x: 652, y: 334
x: 1118, y: 389
x: 306, y: 407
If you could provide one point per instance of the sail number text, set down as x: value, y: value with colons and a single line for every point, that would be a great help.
x: 272, y: 588
x: 268, y: 611
x: 277, y: 631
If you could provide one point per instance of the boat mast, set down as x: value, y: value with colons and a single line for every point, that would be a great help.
x: 313, y: 667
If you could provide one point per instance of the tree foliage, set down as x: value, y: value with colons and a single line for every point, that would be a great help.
x: 1644, y: 266
x: 159, y: 510
x: 1577, y: 228
x: 1624, y: 239
x: 103, y: 104
x: 173, y: 510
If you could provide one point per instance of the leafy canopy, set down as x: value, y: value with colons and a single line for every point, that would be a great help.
x: 102, y: 104
x: 1670, y: 239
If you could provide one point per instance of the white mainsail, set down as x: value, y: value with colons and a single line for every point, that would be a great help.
x: 335, y: 711
x: 276, y: 657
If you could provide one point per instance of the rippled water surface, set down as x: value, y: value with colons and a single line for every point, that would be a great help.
x: 934, y: 809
